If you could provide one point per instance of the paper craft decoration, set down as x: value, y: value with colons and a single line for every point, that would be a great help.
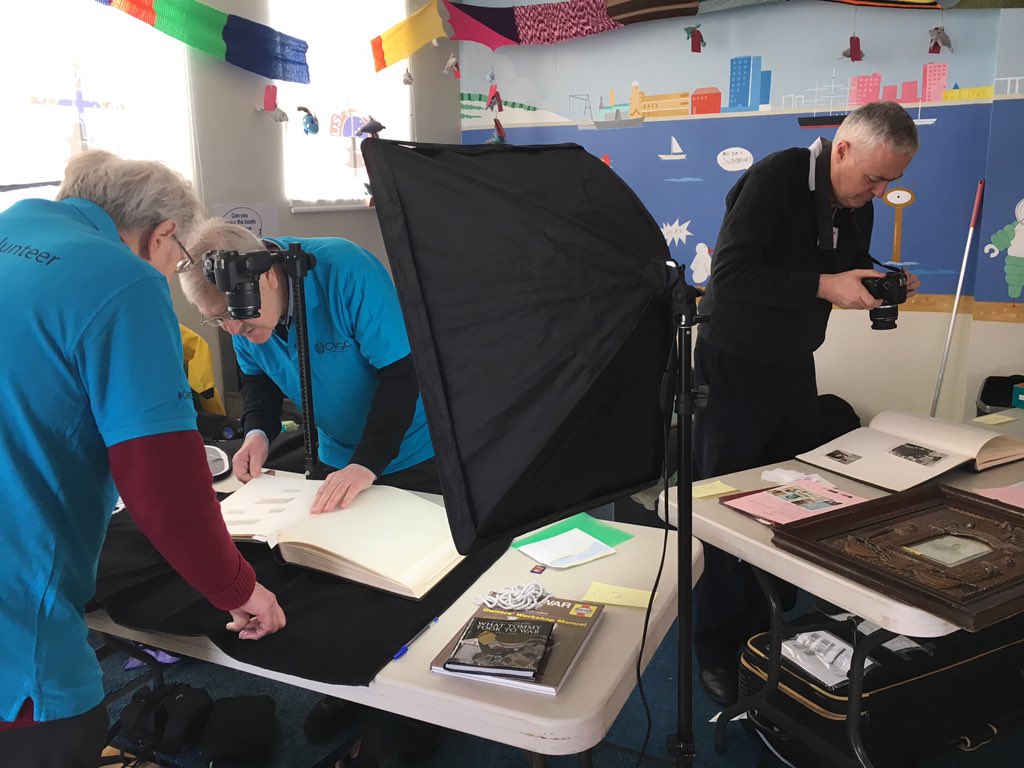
x: 899, y: 450
x: 951, y: 553
x: 854, y: 52
x: 246, y: 44
x: 408, y: 36
x: 939, y: 40
x: 696, y: 38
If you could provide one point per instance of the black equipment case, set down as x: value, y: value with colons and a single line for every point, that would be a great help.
x: 914, y: 701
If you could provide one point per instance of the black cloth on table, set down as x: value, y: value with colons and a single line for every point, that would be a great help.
x: 338, y: 632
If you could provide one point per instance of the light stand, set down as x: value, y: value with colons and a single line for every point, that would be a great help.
x: 680, y: 745
x: 237, y: 276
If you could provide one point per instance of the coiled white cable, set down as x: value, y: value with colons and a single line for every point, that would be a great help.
x: 518, y: 597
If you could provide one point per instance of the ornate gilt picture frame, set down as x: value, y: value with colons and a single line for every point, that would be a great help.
x: 952, y: 553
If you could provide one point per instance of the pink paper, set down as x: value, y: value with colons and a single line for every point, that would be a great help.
x: 1010, y: 494
x: 793, y: 501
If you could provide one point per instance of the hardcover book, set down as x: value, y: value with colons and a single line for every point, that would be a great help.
x: 899, y: 450
x: 387, y: 538
x: 572, y: 622
x: 501, y: 646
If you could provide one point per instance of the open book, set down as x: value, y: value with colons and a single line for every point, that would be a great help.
x: 387, y: 538
x: 898, y: 450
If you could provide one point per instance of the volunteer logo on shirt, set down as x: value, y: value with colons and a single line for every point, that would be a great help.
x: 326, y: 347
x: 184, y: 394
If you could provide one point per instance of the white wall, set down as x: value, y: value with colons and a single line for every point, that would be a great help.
x: 238, y: 154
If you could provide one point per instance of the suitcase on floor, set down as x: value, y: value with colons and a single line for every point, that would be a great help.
x: 915, y: 699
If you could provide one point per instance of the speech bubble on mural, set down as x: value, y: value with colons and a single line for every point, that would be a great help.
x: 735, y: 159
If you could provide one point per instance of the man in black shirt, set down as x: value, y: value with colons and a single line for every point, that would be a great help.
x: 793, y: 243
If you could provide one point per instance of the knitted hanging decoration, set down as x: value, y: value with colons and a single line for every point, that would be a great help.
x: 246, y: 44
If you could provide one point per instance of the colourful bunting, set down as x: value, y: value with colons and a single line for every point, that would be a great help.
x: 407, y: 37
x: 246, y: 44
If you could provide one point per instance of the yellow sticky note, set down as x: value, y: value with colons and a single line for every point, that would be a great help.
x: 717, y: 488
x: 600, y: 592
x: 995, y: 418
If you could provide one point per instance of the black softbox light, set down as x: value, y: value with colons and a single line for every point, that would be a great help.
x: 533, y: 285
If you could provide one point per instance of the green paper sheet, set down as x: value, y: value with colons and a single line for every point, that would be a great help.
x: 603, y: 532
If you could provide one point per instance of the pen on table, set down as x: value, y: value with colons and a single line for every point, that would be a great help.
x: 405, y: 647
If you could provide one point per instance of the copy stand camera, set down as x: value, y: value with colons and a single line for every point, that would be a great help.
x: 237, y: 276
x: 533, y: 285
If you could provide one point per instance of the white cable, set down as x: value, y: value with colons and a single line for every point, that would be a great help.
x: 518, y: 597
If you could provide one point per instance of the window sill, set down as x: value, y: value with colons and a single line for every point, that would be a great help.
x: 340, y: 205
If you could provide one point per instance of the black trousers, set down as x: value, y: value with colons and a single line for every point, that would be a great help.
x: 73, y: 742
x: 756, y: 414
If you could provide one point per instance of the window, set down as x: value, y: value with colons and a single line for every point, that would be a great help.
x: 344, y: 90
x: 81, y: 74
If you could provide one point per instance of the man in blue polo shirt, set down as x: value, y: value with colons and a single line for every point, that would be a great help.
x: 94, y: 392
x: 366, y: 400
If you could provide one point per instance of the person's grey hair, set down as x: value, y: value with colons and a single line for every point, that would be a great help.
x: 136, y: 194
x: 213, y: 234
x: 880, y: 123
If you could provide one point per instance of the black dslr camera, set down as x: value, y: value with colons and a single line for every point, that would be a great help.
x: 892, y: 290
x: 237, y: 275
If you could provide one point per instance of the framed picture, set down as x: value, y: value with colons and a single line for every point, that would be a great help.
x: 952, y: 553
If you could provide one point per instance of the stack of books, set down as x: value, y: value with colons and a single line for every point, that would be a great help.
x: 532, y: 650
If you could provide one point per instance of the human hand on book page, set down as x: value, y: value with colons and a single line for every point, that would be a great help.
x: 249, y: 459
x: 258, y: 616
x: 341, y: 488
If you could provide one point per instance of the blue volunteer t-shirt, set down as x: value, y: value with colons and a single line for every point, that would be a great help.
x: 92, y: 357
x: 355, y: 328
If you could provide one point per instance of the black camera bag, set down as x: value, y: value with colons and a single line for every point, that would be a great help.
x: 169, y: 719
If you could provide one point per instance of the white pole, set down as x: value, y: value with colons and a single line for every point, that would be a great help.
x: 959, y: 289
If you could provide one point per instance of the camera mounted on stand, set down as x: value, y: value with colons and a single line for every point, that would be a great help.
x: 237, y: 276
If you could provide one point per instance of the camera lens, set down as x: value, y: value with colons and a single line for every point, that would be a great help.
x: 244, y: 301
x: 884, y: 318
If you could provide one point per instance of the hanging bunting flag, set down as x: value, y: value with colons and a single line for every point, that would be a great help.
x: 407, y: 37
x: 493, y: 27
x: 548, y: 23
x: 246, y: 44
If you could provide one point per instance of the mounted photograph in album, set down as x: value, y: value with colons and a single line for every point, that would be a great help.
x: 533, y: 284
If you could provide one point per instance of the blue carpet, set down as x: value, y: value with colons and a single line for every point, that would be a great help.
x: 619, y: 749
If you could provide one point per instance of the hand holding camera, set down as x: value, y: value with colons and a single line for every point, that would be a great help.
x: 846, y: 289
x: 891, y: 290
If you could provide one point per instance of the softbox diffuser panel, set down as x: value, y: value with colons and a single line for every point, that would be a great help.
x: 533, y: 285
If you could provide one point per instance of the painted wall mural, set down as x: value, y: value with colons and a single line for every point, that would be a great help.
x: 680, y: 123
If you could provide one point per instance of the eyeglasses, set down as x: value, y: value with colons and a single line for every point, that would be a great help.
x: 218, y: 320
x: 186, y: 262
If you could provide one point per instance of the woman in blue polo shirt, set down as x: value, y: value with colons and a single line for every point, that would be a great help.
x: 95, y: 394
x: 369, y: 414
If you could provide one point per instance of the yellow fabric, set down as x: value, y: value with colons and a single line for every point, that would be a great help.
x: 199, y: 369
x: 407, y: 37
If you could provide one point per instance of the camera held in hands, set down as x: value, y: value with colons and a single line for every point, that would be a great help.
x: 892, y: 290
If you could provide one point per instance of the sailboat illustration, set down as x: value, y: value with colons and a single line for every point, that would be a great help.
x: 676, y: 153
x: 923, y: 120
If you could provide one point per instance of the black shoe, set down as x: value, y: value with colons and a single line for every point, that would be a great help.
x: 328, y: 718
x: 720, y: 684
